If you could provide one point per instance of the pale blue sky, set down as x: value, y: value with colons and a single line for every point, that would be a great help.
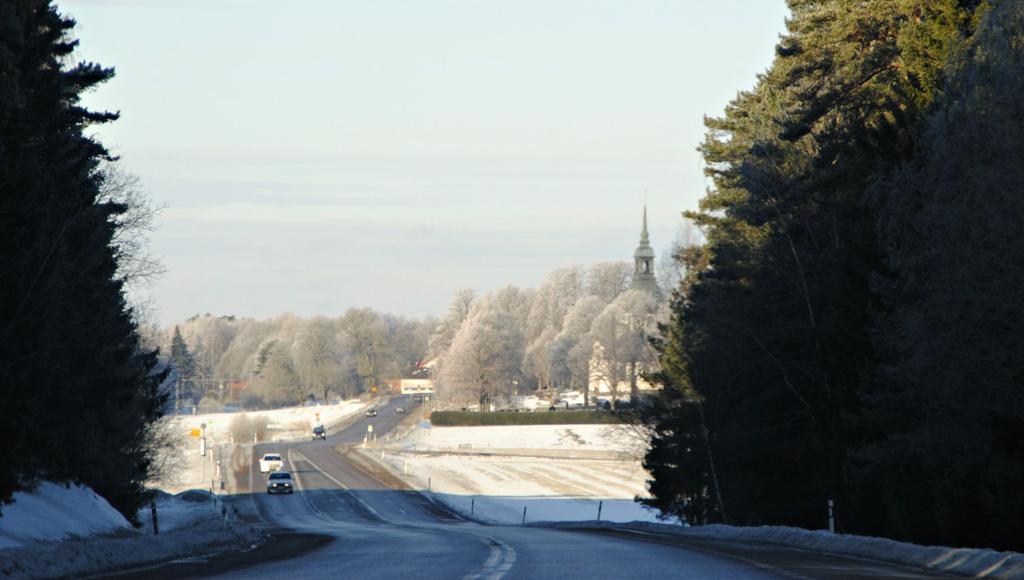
x: 317, y: 155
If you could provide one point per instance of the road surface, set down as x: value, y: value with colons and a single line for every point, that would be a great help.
x: 349, y: 518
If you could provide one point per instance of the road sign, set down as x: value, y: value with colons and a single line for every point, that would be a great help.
x: 195, y: 432
x: 369, y: 428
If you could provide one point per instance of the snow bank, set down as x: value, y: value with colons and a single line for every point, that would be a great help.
x: 965, y: 561
x: 55, y: 512
x: 190, y: 524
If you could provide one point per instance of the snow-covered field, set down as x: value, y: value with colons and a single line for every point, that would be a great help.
x: 492, y: 473
x: 616, y: 439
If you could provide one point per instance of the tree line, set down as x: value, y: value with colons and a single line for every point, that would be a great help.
x: 79, y: 389
x: 287, y: 360
x: 852, y: 328
x: 578, y: 326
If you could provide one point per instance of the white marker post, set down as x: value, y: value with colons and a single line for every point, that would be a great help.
x: 831, y: 516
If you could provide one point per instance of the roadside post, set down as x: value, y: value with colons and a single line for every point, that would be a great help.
x: 831, y: 515
x: 600, y: 504
x: 472, y: 506
x: 152, y: 515
x: 524, y: 515
x: 202, y: 448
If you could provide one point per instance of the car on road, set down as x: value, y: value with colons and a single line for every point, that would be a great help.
x: 280, y: 482
x: 399, y: 409
x: 271, y: 462
x: 319, y: 433
x: 371, y: 412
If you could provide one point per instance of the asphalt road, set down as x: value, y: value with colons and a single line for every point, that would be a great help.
x: 351, y: 519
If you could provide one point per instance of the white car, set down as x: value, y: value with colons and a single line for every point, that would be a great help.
x: 270, y: 462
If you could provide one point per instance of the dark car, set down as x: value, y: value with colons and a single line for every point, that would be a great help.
x: 319, y: 432
x: 371, y: 412
x: 280, y: 482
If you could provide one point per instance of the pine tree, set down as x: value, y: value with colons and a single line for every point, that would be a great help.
x: 944, y: 459
x: 70, y: 361
x: 184, y: 364
x: 776, y: 332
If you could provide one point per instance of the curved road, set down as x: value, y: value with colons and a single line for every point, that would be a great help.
x: 380, y: 529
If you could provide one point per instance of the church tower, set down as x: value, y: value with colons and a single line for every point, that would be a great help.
x: 643, y: 258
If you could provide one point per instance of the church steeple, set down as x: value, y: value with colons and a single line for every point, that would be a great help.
x: 643, y: 258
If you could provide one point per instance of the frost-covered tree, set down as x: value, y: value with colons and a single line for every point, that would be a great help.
x: 570, y: 355
x: 552, y: 300
x: 483, y: 361
x: 458, y: 311
x: 608, y: 279
x: 364, y: 334
x: 621, y: 338
x: 316, y: 356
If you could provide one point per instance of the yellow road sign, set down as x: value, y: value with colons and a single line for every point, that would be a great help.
x: 195, y: 432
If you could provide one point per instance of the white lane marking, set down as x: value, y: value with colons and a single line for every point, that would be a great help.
x: 337, y: 483
x: 305, y: 498
x: 499, y: 561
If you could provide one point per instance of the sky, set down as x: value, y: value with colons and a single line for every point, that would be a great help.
x: 318, y: 155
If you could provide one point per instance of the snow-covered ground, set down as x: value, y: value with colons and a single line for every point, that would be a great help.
x: 616, y: 439
x: 55, y: 512
x: 71, y: 531
x: 556, y: 472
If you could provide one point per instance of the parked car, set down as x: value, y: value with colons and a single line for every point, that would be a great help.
x: 270, y: 462
x: 371, y: 412
x: 319, y: 433
x: 280, y: 482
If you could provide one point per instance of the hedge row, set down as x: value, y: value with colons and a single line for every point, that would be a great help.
x: 474, y: 418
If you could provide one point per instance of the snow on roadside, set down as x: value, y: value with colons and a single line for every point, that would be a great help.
x: 62, y: 531
x: 966, y: 561
x: 54, y: 512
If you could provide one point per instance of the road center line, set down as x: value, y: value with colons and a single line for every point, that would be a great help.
x: 340, y: 485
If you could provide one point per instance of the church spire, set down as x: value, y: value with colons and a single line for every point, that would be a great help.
x: 645, y: 239
x: 643, y: 258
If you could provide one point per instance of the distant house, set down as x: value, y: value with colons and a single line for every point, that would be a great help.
x: 417, y: 386
x: 420, y: 380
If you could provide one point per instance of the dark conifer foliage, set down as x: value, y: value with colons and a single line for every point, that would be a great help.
x: 78, y: 394
x: 183, y: 364
x: 853, y: 335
